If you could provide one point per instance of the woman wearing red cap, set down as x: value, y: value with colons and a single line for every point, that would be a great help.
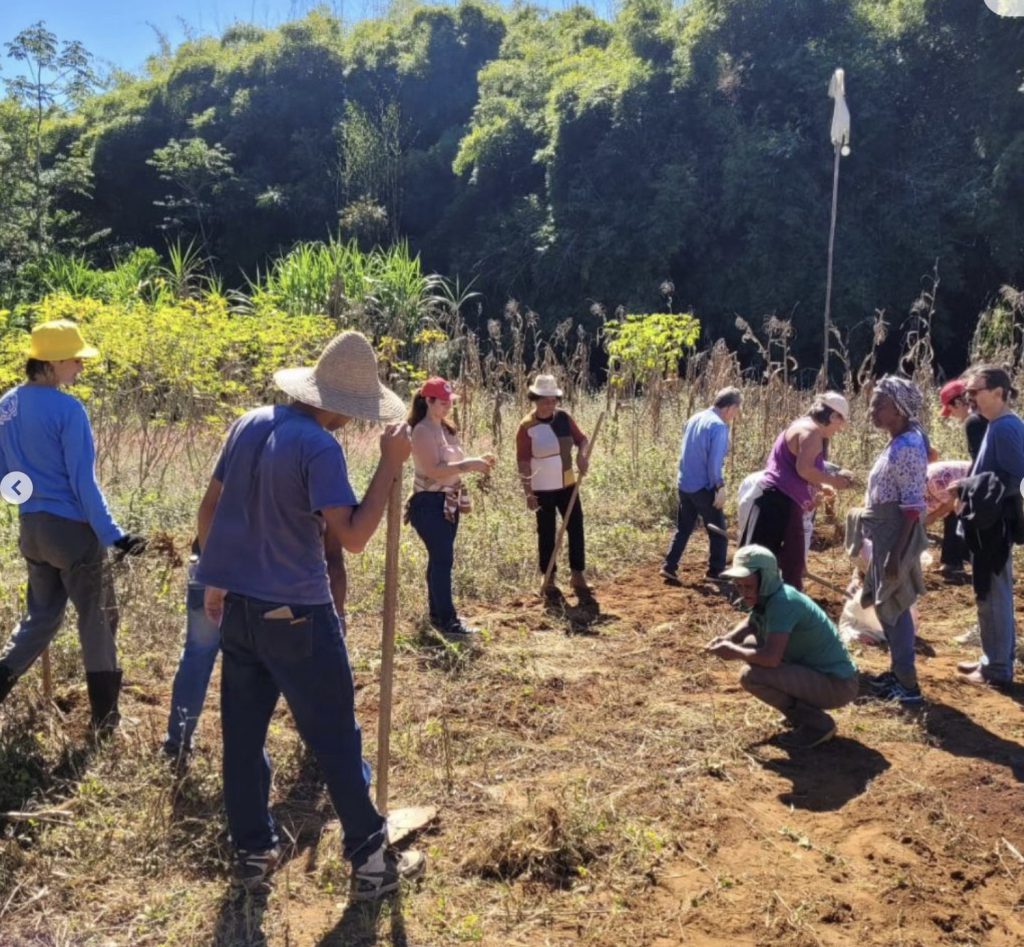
x: 439, y: 496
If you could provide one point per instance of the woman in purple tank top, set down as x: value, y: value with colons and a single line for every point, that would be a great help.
x: 793, y: 474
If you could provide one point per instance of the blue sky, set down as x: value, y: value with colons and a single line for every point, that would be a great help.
x: 118, y: 32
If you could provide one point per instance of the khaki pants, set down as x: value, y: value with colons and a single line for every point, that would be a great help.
x: 65, y: 561
x: 801, y: 693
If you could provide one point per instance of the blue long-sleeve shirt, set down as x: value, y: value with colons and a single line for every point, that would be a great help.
x: 1002, y: 451
x: 705, y: 443
x: 45, y: 433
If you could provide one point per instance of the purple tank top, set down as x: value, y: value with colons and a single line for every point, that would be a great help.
x: 780, y: 473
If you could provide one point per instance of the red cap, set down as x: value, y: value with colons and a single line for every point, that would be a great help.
x: 950, y: 392
x: 437, y: 388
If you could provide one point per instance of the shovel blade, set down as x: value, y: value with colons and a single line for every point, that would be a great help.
x: 405, y: 822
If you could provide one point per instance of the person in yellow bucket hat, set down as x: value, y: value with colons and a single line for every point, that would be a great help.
x: 47, y: 466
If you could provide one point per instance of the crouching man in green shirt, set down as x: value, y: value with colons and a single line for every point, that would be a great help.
x: 800, y: 664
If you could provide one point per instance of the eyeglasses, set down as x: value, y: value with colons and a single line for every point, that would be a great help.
x: 973, y: 391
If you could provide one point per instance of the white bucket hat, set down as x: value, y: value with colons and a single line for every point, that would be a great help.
x: 545, y: 386
x: 344, y: 380
x: 837, y: 403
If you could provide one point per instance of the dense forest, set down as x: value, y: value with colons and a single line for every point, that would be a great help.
x: 674, y: 157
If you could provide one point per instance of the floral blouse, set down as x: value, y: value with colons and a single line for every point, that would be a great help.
x: 940, y: 475
x: 900, y: 473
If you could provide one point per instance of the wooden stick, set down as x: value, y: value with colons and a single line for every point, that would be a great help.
x: 387, y: 644
x: 568, y: 510
x: 47, y: 675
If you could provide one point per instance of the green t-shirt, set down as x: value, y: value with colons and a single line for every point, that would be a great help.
x: 813, y: 642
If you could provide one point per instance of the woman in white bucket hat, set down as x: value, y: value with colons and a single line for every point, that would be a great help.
x: 794, y: 472
x: 276, y: 516
x: 544, y: 452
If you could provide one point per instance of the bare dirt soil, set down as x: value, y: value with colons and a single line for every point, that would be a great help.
x: 622, y: 790
x: 601, y: 780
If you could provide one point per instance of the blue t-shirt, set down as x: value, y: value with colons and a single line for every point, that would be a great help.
x: 45, y: 433
x: 705, y: 442
x: 278, y: 469
x: 1002, y: 451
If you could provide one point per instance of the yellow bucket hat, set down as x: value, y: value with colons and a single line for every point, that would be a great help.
x: 59, y: 340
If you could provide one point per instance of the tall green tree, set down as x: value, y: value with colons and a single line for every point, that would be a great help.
x: 57, y: 77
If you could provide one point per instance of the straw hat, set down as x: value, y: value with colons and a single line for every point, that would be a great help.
x: 58, y: 340
x: 545, y: 386
x: 344, y: 380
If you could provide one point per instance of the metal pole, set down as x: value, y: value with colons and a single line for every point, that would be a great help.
x: 828, y: 281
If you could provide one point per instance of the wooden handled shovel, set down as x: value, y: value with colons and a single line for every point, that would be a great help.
x: 401, y: 822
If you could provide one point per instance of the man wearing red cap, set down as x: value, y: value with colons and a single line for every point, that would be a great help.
x: 954, y: 405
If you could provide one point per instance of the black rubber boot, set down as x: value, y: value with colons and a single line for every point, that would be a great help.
x: 104, y: 688
x: 7, y: 680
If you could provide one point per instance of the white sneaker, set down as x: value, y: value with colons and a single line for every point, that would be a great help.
x: 970, y: 638
x: 383, y: 872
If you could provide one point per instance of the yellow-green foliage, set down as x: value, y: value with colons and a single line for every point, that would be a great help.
x: 174, y: 359
x: 641, y: 346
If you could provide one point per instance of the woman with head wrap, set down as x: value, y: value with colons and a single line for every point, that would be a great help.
x: 892, y: 522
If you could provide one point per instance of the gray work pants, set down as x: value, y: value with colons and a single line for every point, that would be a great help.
x: 65, y: 561
x: 801, y: 693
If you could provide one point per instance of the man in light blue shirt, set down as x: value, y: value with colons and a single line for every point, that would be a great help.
x: 702, y: 483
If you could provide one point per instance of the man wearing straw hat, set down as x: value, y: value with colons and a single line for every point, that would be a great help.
x: 273, y: 524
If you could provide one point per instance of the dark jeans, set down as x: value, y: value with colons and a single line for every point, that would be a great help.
x: 691, y: 506
x: 954, y: 548
x: 780, y: 528
x: 551, y: 503
x: 65, y: 561
x: 426, y: 514
x: 304, y: 658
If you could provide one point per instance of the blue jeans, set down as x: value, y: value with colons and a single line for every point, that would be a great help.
x: 426, y: 514
x: 900, y: 636
x: 692, y: 505
x: 998, y: 627
x: 303, y: 657
x: 191, y: 680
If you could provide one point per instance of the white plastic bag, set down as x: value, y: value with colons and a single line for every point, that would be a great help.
x: 858, y: 623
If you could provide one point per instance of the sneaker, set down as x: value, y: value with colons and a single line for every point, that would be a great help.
x: 669, y: 575
x: 252, y: 869
x: 177, y: 759
x: 905, y: 696
x: 383, y: 872
x: 806, y: 738
x: 458, y: 630
x: 970, y: 638
x: 881, y: 682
